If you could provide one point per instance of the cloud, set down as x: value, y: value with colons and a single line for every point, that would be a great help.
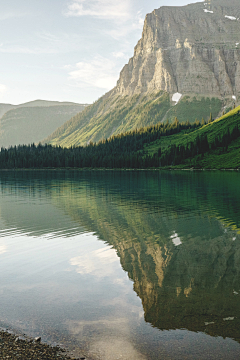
x: 44, y: 43
x: 139, y: 20
x: 26, y: 50
x: 103, y: 9
x: 123, y: 19
x: 123, y: 30
x: 3, y: 89
x: 119, y: 55
x: 96, y: 262
x: 11, y: 15
x: 100, y: 72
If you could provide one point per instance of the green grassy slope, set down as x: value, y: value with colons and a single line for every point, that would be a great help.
x: 213, y: 159
x: 191, y: 108
x: 112, y: 115
x: 24, y: 125
x: 179, y: 145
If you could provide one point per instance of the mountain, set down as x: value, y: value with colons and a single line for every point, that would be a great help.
x: 214, y: 145
x: 190, y: 49
x: 186, y: 65
x: 4, y: 108
x: 46, y: 103
x: 31, y: 122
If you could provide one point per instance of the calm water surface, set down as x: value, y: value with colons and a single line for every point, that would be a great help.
x: 123, y: 265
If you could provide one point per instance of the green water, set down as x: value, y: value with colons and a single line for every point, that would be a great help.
x: 123, y: 265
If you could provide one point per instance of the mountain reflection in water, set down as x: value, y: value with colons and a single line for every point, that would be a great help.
x: 176, y: 235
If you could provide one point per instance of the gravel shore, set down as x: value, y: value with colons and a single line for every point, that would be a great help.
x: 14, y: 347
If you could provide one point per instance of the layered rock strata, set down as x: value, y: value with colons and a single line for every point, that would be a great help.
x: 190, y: 49
x: 187, y: 55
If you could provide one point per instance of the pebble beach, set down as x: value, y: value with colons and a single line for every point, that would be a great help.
x: 14, y: 347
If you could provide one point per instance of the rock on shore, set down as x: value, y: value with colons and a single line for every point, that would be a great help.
x: 13, y: 347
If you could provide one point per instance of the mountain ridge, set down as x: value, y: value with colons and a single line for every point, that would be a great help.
x: 187, y: 59
x: 173, y: 46
x: 29, y: 122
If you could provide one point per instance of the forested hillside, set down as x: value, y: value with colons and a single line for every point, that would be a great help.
x: 113, y: 116
x: 215, y: 144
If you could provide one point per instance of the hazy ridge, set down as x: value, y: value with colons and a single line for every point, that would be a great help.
x: 32, y: 121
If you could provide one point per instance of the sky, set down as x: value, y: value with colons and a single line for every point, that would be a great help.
x: 68, y: 50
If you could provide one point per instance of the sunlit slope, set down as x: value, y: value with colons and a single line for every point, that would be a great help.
x: 216, y: 129
x: 112, y: 115
x: 31, y: 122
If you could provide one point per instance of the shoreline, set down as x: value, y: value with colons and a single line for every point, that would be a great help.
x: 14, y: 345
x: 120, y: 169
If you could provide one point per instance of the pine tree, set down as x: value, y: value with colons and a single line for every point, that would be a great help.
x: 210, y: 118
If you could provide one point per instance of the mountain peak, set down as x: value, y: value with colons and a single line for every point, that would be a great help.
x: 186, y: 65
x: 188, y: 49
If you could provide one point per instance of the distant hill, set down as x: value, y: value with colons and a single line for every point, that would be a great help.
x: 4, y: 108
x: 31, y: 122
x: 186, y: 65
x: 215, y: 145
x: 46, y: 103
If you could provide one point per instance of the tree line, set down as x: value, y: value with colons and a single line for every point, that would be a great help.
x: 120, y: 151
x: 176, y: 155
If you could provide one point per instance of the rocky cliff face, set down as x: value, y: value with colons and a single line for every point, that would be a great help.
x: 190, y: 49
x: 186, y: 65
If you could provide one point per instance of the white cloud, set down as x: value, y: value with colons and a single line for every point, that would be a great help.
x: 100, y: 72
x: 103, y: 9
x: 119, y: 55
x: 96, y: 262
x: 124, y: 19
x: 139, y: 21
x: 11, y: 15
x: 3, y: 89
x: 125, y: 29
x: 26, y: 50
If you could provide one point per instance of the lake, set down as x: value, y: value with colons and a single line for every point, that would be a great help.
x: 123, y: 264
